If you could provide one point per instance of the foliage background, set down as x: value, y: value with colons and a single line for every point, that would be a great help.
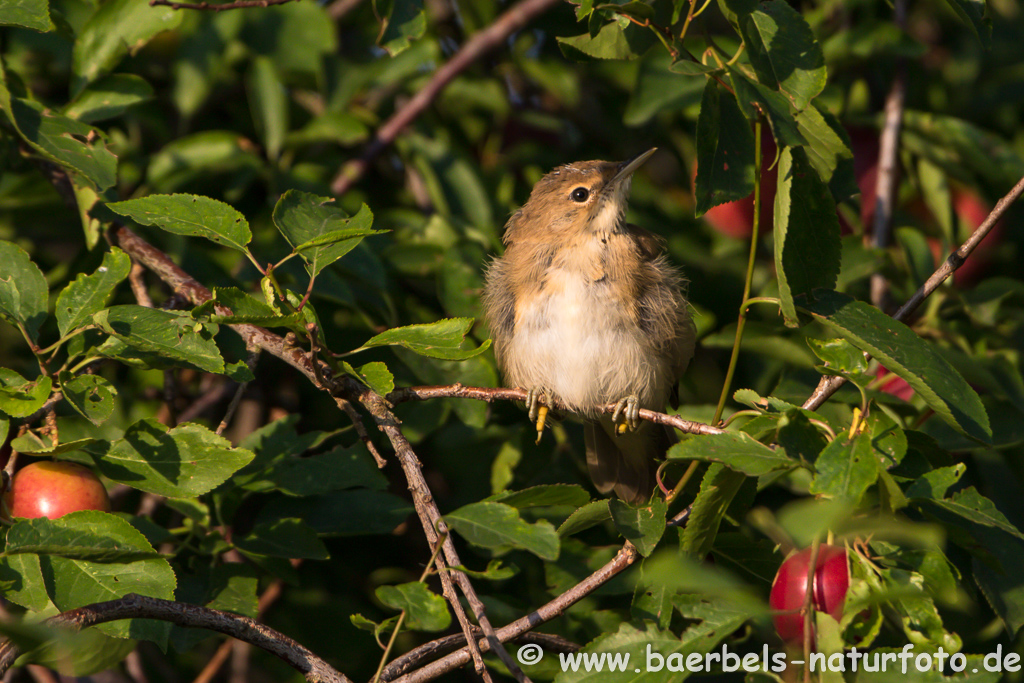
x: 244, y: 105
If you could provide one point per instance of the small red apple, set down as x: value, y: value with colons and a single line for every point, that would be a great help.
x: 897, y: 386
x: 736, y: 219
x: 831, y: 581
x: 53, y: 489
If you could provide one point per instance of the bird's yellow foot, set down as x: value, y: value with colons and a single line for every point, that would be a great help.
x: 538, y: 411
x: 629, y: 410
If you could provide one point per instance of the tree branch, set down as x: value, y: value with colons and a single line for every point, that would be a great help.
x: 217, y: 7
x: 829, y: 385
x: 623, y: 559
x: 190, y: 616
x: 515, y: 18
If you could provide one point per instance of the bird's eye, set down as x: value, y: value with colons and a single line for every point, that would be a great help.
x: 580, y: 194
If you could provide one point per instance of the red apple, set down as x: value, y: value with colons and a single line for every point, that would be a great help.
x: 736, y: 219
x: 53, y: 489
x: 831, y: 581
x: 897, y: 386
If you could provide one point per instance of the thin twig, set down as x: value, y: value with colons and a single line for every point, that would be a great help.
x: 623, y: 559
x: 515, y: 18
x: 357, y: 423
x: 339, y: 8
x: 190, y: 616
x: 888, y: 157
x: 440, y: 647
x: 217, y: 7
x: 137, y: 280
x: 490, y: 395
x: 829, y: 385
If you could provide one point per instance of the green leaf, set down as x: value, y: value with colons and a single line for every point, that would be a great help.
x: 87, y: 294
x: 442, y: 339
x: 64, y: 141
x: 117, y: 28
x: 846, y: 468
x: 611, y: 42
x: 164, y: 333
x: 725, y: 150
x: 807, y: 243
x: 359, y: 512
x: 19, y: 397
x: 288, y: 538
x: 91, y: 395
x: 268, y: 101
x: 73, y: 582
x: 401, y: 23
x: 784, y: 52
x: 337, y: 469
x: 717, y: 490
x: 840, y: 357
x: 935, y: 483
x: 183, y: 462
x: 736, y: 450
x: 32, y: 444
x: 828, y: 150
x: 33, y: 14
x: 540, y: 496
x: 755, y: 99
x: 424, y: 609
x: 23, y: 290
x: 109, y: 97
x: 188, y: 214
x: 320, y: 234
x: 79, y: 654
x: 643, y: 525
x: 977, y: 509
x: 245, y: 309
x: 1001, y: 585
x: 737, y: 11
x: 499, y: 526
x: 591, y: 514
x: 975, y: 14
x: 901, y: 351
x: 21, y: 580
x: 375, y: 375
x: 73, y: 540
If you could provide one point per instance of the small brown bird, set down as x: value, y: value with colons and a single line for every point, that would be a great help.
x: 584, y: 308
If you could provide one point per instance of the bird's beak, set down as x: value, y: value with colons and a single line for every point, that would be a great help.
x: 626, y: 168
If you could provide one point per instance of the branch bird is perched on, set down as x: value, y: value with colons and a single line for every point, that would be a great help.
x: 584, y: 308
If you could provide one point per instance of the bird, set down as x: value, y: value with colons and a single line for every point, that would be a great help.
x: 585, y: 309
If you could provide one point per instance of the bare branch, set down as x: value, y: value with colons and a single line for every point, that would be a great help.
x: 623, y: 559
x: 191, y: 616
x: 491, y: 395
x: 486, y: 40
x: 829, y: 385
x: 436, y: 649
x: 217, y: 7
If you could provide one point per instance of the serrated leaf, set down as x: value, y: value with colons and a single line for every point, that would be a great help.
x: 183, y: 462
x: 33, y: 14
x: 21, y: 580
x: 784, y: 52
x: 807, y: 240
x: 717, y: 490
x: 611, y: 42
x: 842, y: 358
x: 736, y: 450
x: 117, y: 28
x: 62, y: 140
x: 591, y: 514
x: 642, y: 525
x: 377, y: 377
x: 108, y: 97
x: 189, y: 214
x: 539, y: 496
x: 846, y: 468
x: 725, y: 150
x: 755, y: 99
x: 828, y: 150
x: 499, y: 526
x: 319, y: 232
x: 20, y: 397
x: 289, y: 538
x: 337, y: 469
x: 442, y: 339
x: 23, y: 290
x: 424, y: 609
x: 73, y: 582
x: 904, y: 353
x: 934, y: 484
x: 401, y: 23
x: 87, y: 294
x: 977, y: 509
x: 31, y: 443
x: 164, y: 333
x: 74, y: 540
x: 245, y: 309
x: 91, y: 395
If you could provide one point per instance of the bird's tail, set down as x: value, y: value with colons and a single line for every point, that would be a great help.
x: 625, y: 463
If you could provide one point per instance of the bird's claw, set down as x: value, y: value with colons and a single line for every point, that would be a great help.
x: 628, y: 409
x: 538, y: 411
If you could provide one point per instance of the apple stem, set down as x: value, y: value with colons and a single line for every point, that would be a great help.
x: 808, y: 610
